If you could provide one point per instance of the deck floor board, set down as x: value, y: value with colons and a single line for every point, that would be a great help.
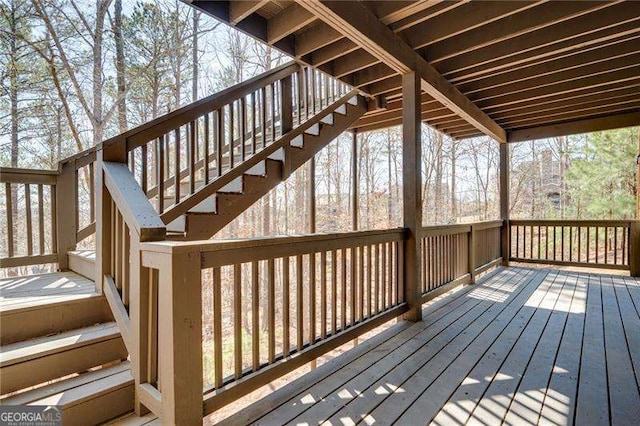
x: 524, y: 346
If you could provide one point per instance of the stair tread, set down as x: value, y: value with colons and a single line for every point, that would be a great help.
x: 86, y: 254
x: 36, y: 395
x: 42, y: 346
x: 34, y: 290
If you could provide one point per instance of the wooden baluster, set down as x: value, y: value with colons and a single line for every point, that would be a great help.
x: 615, y: 245
x: 384, y: 276
x: 606, y: 245
x: 273, y: 112
x: 144, y: 173
x: 579, y: 229
x: 361, y: 278
x: 376, y: 258
x: 253, y: 123
x: 597, y: 248
x: 27, y: 202
x: 40, y: 220
x: 286, y: 104
x: 255, y: 316
x: 54, y: 217
x: 263, y: 118
x: 232, y: 128
x: 191, y: 152
x: 217, y: 327
x: 219, y: 140
x: 286, y: 340
x: 176, y: 182
x: 271, y: 309
x: 126, y: 271
x: 312, y: 297
x: 353, y: 283
x: 323, y: 294
x: 243, y: 127
x: 299, y: 303
x: 368, y: 279
x: 160, y: 172
x: 92, y: 194
x: 634, y: 249
x: 588, y: 245
x: 570, y: 243
x: 623, y: 233
x: 237, y: 319
x: 9, y: 213
x: 334, y: 292
x: 343, y: 292
x: 206, y: 156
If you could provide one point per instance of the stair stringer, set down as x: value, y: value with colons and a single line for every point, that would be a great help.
x: 230, y: 205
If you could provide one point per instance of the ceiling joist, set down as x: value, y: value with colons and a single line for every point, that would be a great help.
x: 363, y: 27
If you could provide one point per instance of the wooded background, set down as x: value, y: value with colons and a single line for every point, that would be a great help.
x: 78, y: 72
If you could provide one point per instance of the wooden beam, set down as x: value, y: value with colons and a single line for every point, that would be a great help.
x: 629, y: 72
x: 576, y: 127
x: 239, y: 10
x: 287, y: 22
x: 553, y: 80
x: 362, y: 27
x: 424, y: 15
x: 525, y: 20
x: 574, y: 60
x: 464, y: 18
x: 587, y: 30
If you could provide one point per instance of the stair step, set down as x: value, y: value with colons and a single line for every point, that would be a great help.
x: 83, y: 262
x: 327, y: 119
x: 298, y: 141
x: 313, y: 130
x: 235, y: 186
x: 278, y: 155
x: 90, y: 398
x: 257, y: 170
x: 32, y: 362
x: 38, y: 305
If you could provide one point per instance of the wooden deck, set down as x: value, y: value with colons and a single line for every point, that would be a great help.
x: 523, y: 346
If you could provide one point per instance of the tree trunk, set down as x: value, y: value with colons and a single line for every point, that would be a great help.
x: 120, y: 67
x: 194, y: 56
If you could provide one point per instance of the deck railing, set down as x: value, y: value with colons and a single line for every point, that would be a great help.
x: 454, y: 254
x: 270, y: 306
x: 192, y: 145
x: 596, y: 244
x: 30, y: 216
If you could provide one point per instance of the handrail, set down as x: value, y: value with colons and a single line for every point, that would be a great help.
x: 133, y: 204
x: 571, y: 222
x: 159, y: 126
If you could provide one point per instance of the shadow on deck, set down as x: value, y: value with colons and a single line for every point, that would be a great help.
x: 523, y: 346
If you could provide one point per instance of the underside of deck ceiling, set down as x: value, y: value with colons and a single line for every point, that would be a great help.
x: 514, y: 70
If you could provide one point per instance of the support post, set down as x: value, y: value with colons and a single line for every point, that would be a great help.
x: 412, y: 191
x: 354, y: 181
x: 504, y: 204
x: 634, y: 249
x: 180, y: 342
x: 67, y: 213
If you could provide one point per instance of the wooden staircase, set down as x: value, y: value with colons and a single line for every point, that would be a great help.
x: 70, y: 338
x: 60, y: 346
x: 214, y: 205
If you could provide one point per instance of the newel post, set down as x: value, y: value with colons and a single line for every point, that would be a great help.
x: 412, y: 191
x: 504, y: 204
x: 634, y: 249
x: 66, y: 212
x: 180, y: 338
